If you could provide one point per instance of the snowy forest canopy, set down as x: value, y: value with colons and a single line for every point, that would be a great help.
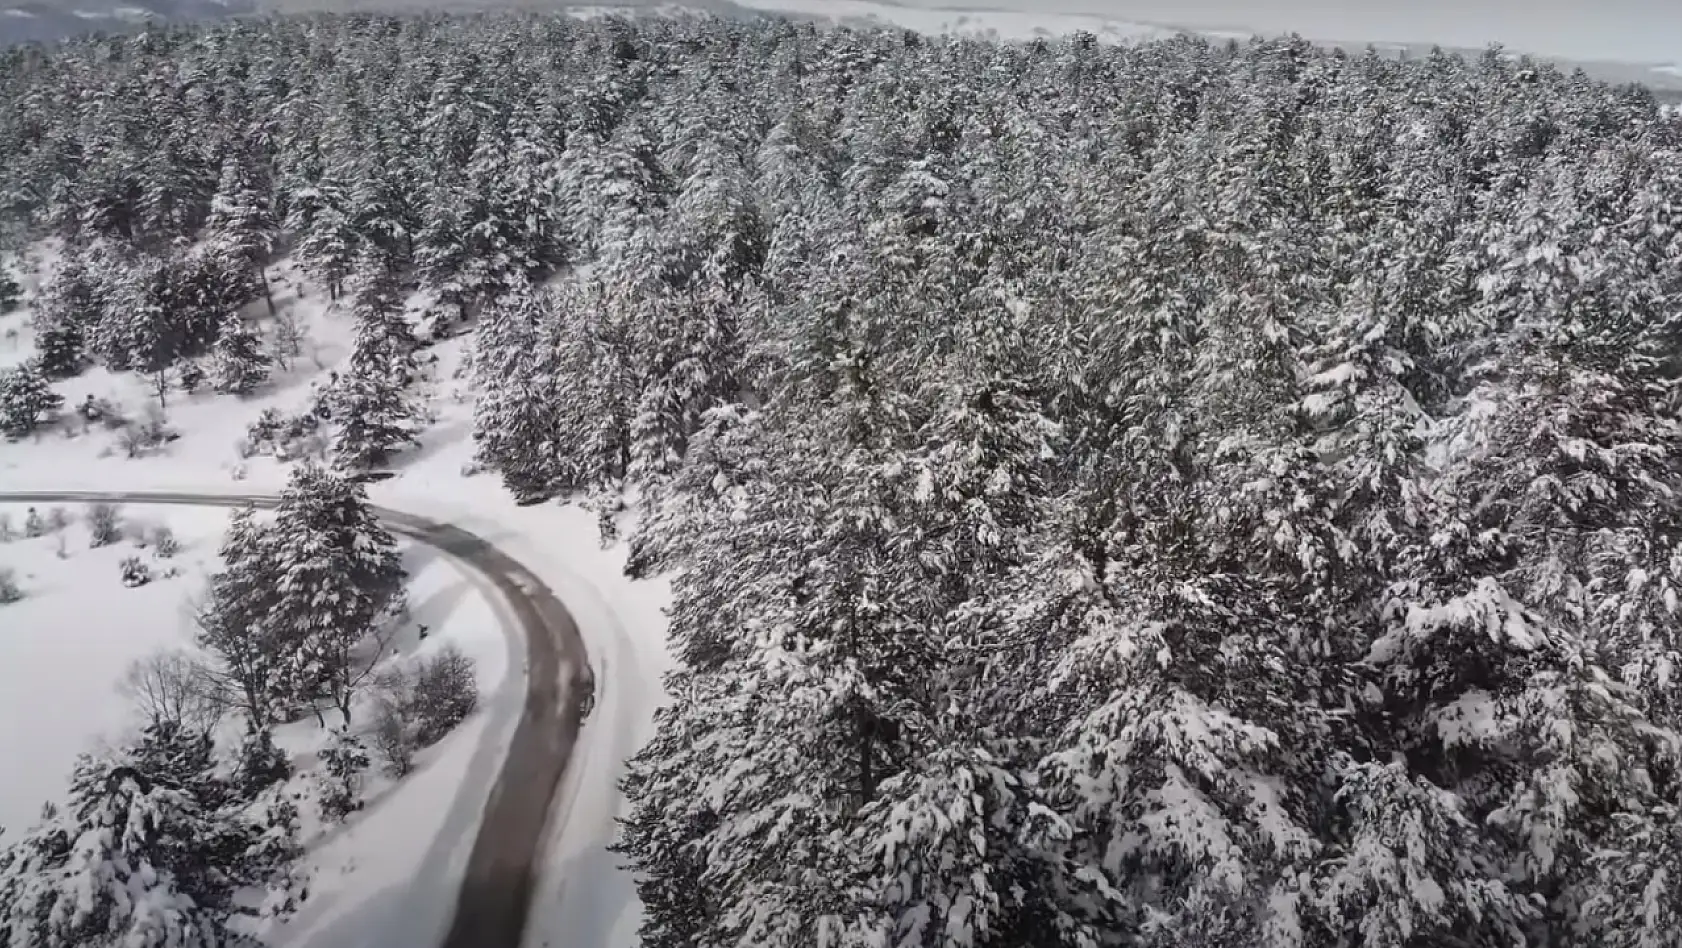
x: 1185, y: 495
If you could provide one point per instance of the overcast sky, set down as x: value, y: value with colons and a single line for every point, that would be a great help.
x: 1619, y: 30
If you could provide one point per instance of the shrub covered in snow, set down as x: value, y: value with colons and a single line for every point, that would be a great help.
x: 10, y: 591
x: 394, y: 738
x: 135, y: 572
x: 286, y: 437
x: 430, y: 696
x: 163, y: 542
x: 446, y: 691
x: 105, y: 525
x: 260, y: 763
x: 339, y: 787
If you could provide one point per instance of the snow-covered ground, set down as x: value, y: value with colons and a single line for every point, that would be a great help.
x: 65, y: 646
x: 389, y: 872
x: 389, y: 875
x: 407, y: 852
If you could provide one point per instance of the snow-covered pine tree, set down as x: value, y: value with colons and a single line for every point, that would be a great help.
x: 27, y: 399
x: 238, y: 361
x: 371, y: 403
x: 515, y: 430
x: 326, y: 243
x: 235, y: 621
x: 339, y: 575
x: 68, y: 307
x: 597, y: 377
x: 375, y: 419
x: 11, y: 293
x: 242, y: 224
x: 260, y: 764
x: 144, y: 855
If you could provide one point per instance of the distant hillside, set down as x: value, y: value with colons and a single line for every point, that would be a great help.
x: 38, y: 21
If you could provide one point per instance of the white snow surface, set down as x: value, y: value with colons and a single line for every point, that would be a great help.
x: 389, y: 875
x: 386, y: 876
x: 584, y: 900
x: 65, y: 646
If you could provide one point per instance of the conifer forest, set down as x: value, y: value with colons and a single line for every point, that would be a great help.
x: 1184, y: 495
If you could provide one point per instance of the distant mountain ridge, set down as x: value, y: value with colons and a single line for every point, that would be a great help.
x: 23, y: 21
x: 50, y: 20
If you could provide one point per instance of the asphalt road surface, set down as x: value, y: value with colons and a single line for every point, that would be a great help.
x: 496, y: 891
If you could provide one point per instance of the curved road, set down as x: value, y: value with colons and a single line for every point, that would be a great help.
x: 496, y: 890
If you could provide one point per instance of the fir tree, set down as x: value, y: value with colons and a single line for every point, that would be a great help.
x: 69, y: 306
x: 338, y: 575
x: 11, y: 294
x: 26, y: 400
x: 238, y: 362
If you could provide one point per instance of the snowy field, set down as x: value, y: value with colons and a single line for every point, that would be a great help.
x: 390, y: 877
x: 391, y: 869
x: 71, y: 637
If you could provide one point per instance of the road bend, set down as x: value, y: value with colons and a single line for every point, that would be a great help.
x: 494, y: 903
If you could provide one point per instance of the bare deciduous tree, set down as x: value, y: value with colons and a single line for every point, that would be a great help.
x: 175, y: 686
x: 104, y: 524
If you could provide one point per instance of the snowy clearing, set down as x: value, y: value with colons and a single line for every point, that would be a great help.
x: 391, y: 869
x: 66, y: 644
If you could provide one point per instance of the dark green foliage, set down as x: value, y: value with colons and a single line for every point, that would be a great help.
x: 26, y: 400
x: 1174, y: 495
x: 11, y: 294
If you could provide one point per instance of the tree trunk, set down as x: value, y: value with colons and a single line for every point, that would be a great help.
x: 867, y: 757
x: 268, y: 296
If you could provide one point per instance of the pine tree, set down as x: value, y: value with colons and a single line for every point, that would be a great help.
x: 261, y: 764
x: 145, y: 854
x: 515, y: 428
x: 11, y: 294
x: 370, y: 401
x: 376, y: 418
x: 26, y: 400
x: 242, y: 226
x: 338, y: 575
x: 68, y: 308
x: 238, y: 362
x: 235, y: 621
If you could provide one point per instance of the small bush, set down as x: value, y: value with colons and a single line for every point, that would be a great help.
x: 135, y: 572
x: 446, y: 692
x: 8, y: 533
x: 145, y: 437
x: 286, y: 437
x: 103, y: 412
x: 343, y: 761
x: 10, y: 591
x: 164, y: 544
x: 105, y: 525
x: 190, y: 377
x: 262, y: 764
x: 57, y: 520
x: 395, y: 739
x: 417, y: 704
